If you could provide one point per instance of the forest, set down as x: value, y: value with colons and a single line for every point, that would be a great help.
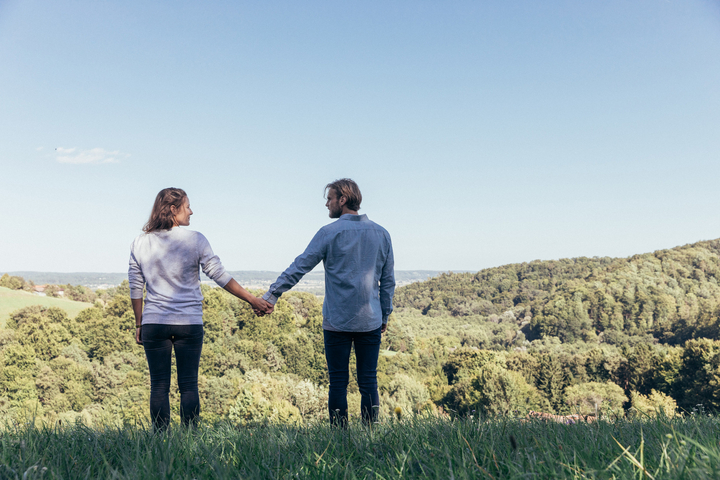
x: 622, y: 337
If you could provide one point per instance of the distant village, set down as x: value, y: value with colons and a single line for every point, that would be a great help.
x: 39, y: 290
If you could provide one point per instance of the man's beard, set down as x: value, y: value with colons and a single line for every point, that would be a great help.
x: 336, y: 212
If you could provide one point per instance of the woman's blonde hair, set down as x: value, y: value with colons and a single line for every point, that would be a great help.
x: 161, y: 217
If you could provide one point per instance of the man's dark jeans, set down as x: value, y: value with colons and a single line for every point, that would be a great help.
x: 158, y: 341
x: 337, y: 353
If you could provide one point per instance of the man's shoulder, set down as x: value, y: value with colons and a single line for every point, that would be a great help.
x: 376, y: 226
x: 341, y: 225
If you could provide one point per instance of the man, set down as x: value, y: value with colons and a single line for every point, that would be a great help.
x: 359, y: 286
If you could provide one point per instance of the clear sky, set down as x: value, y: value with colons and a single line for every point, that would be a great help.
x: 480, y: 132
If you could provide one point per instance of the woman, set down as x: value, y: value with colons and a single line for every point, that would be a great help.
x: 166, y: 259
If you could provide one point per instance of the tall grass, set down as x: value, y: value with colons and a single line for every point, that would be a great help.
x: 413, y: 448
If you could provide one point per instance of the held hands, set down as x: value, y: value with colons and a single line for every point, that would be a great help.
x: 266, y: 306
x: 262, y: 307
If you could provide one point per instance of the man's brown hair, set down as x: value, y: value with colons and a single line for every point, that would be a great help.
x: 348, y: 189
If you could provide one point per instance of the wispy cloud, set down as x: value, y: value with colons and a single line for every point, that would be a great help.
x: 38, y: 149
x: 94, y: 155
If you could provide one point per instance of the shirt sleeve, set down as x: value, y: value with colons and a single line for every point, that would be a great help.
x: 210, y: 263
x: 136, y: 279
x: 304, y: 263
x: 387, y: 284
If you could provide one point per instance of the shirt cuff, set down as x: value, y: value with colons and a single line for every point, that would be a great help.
x: 224, y: 279
x: 270, y: 298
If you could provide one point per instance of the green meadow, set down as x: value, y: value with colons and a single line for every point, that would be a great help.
x: 413, y: 448
x: 12, y: 300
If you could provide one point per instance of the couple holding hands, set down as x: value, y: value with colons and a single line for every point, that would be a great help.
x: 359, y: 285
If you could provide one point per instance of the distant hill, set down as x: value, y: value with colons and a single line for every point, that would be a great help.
x: 313, y: 282
x: 86, y: 279
x: 673, y: 295
x: 11, y: 300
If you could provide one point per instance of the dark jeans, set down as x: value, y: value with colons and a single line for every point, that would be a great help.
x: 337, y: 354
x: 158, y: 341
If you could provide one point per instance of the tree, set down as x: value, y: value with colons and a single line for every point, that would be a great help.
x: 14, y: 283
x: 591, y: 398
x: 41, y: 329
x: 17, y: 377
x: 466, y: 362
x: 494, y: 391
x: 699, y: 382
x: 652, y: 405
x: 407, y: 392
x: 551, y: 380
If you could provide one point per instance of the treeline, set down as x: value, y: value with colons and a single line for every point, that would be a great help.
x: 16, y: 283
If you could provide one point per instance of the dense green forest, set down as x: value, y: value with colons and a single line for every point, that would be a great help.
x: 623, y: 337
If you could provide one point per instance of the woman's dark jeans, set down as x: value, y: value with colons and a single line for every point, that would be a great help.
x: 337, y: 353
x: 158, y: 341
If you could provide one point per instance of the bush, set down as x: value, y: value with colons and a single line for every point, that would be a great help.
x: 592, y: 398
x: 657, y: 403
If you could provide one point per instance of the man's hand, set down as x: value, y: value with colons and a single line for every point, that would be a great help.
x: 383, y: 328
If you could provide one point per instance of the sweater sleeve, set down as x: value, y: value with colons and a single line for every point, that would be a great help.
x: 135, y: 276
x: 210, y: 263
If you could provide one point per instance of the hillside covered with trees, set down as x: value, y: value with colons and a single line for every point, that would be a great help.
x: 670, y: 295
x: 616, y: 336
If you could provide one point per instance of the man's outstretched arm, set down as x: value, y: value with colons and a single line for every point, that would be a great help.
x: 304, y: 263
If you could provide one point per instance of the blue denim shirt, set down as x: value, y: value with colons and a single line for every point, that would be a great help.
x: 359, y: 274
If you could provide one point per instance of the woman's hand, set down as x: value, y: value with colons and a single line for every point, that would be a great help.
x: 137, y: 306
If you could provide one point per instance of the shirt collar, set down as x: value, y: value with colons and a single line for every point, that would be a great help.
x: 354, y: 218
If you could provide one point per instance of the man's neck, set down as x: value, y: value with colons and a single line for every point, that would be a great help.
x: 347, y: 210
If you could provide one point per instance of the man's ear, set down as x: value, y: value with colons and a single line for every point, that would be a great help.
x: 342, y: 200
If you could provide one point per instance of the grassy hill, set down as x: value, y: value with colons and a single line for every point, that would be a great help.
x: 11, y: 300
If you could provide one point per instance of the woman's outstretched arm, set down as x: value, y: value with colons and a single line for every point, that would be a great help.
x: 257, y: 304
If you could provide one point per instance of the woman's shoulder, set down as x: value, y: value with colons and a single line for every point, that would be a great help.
x: 173, y: 235
x: 140, y: 238
x: 189, y: 235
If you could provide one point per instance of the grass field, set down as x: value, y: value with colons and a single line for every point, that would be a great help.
x: 11, y: 300
x: 423, y: 448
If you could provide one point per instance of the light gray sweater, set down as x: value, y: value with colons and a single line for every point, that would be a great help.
x: 168, y: 262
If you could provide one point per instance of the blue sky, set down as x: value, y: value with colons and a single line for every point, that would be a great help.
x: 481, y: 133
